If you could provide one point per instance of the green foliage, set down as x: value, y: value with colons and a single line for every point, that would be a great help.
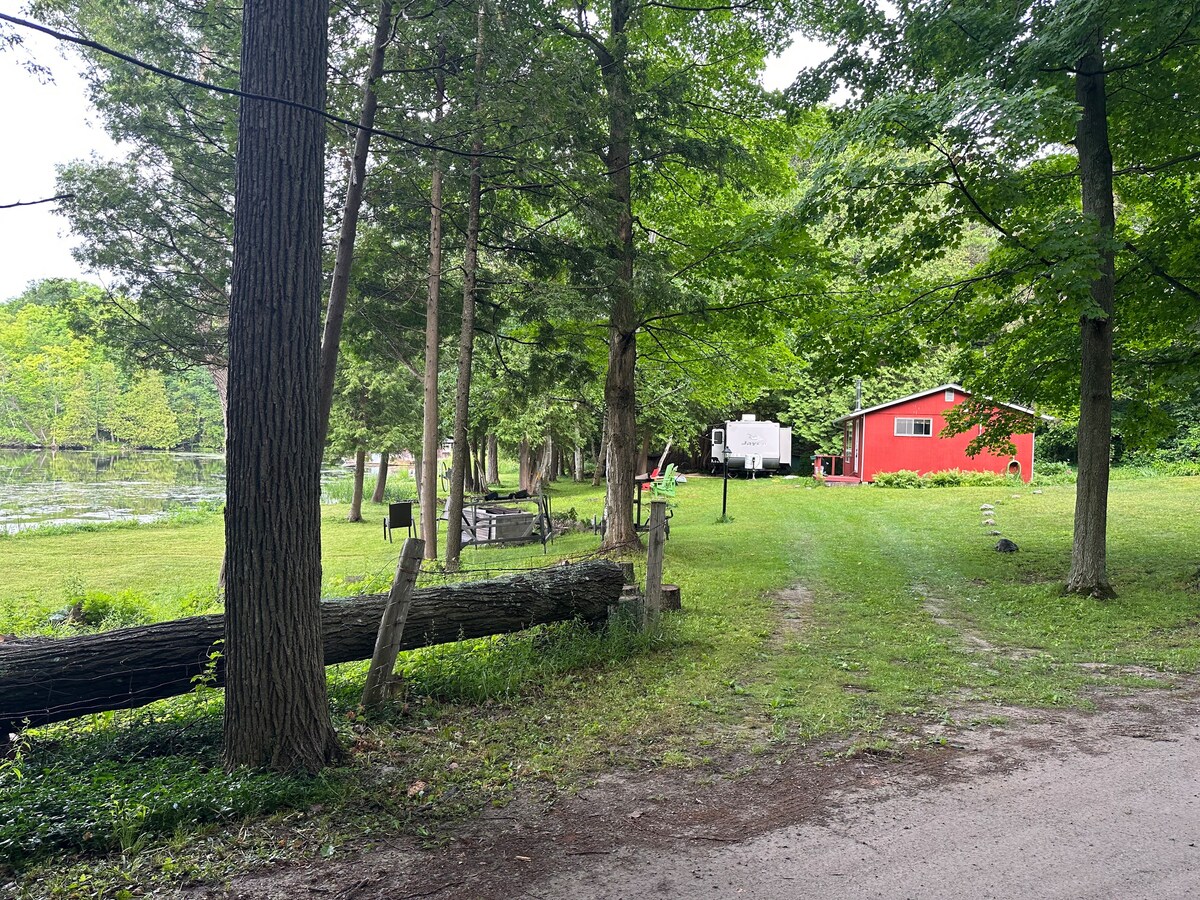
x: 111, y: 786
x: 814, y: 399
x: 1053, y: 473
x: 906, y: 478
x: 950, y: 189
x: 104, y: 611
x: 143, y: 417
x: 502, y: 668
x: 59, y: 387
x: 341, y: 490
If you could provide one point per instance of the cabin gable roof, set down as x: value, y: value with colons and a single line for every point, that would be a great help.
x: 937, y: 390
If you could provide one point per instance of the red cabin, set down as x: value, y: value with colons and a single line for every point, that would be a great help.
x: 906, y: 434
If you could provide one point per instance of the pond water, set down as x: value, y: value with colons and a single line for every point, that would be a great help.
x: 40, y: 487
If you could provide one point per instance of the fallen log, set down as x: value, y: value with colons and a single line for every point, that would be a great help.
x: 51, y: 680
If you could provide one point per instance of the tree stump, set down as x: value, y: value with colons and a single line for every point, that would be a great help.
x: 670, y: 597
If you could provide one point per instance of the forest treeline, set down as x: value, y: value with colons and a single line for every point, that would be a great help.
x: 60, y: 387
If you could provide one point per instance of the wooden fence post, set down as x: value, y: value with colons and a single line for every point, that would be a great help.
x: 391, y: 623
x: 654, y: 559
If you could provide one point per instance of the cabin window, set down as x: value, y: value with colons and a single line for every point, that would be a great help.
x: 914, y: 427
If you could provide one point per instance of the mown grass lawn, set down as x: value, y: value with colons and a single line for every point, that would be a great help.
x: 895, y: 579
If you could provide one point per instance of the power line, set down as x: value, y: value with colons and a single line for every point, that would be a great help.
x: 233, y: 92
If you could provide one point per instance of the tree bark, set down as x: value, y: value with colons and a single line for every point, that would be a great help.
x: 381, y: 478
x: 601, y: 454
x: 577, y: 467
x: 493, y: 460
x: 480, y: 467
x: 48, y: 680
x: 524, y: 465
x: 544, y: 471
x: 466, y: 338
x: 220, y: 380
x: 339, y: 287
x: 276, y: 711
x: 430, y: 439
x: 360, y: 474
x: 643, y: 460
x: 619, y: 389
x: 1089, y: 572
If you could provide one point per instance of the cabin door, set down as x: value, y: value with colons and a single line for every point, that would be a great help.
x: 850, y: 445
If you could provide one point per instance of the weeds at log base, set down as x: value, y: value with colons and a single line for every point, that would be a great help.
x: 132, y: 782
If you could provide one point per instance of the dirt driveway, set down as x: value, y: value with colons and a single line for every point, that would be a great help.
x: 1052, y: 804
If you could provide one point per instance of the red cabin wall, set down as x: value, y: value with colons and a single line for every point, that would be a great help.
x: 885, y: 451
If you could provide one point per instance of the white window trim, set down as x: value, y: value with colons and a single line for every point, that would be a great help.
x: 896, y: 432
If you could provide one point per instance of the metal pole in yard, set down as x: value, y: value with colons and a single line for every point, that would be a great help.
x: 725, y: 482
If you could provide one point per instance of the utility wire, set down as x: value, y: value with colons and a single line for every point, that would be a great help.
x: 233, y: 92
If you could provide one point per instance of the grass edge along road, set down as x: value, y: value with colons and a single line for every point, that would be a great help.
x: 909, y: 614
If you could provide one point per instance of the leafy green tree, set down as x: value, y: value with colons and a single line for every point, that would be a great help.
x: 161, y: 220
x: 1037, y: 121
x: 142, y: 415
x: 90, y: 409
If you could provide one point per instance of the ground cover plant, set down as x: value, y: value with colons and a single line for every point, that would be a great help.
x: 874, y: 649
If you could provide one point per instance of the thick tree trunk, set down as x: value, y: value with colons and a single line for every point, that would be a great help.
x: 276, y: 712
x: 47, y: 680
x: 466, y: 336
x: 339, y: 287
x: 360, y: 474
x: 1089, y: 572
x: 381, y: 478
x: 430, y: 439
x: 493, y: 460
x: 619, y: 390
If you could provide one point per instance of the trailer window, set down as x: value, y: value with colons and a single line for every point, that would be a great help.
x: 914, y: 427
x: 718, y: 437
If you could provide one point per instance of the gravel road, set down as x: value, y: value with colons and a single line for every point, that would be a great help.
x: 1123, y: 822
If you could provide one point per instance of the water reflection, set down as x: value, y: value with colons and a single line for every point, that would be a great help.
x: 41, y: 487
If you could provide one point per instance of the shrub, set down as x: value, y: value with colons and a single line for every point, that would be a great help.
x: 102, y: 610
x: 946, y: 478
x: 1053, y: 473
x: 905, y: 478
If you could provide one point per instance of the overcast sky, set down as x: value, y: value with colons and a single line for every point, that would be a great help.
x: 50, y: 123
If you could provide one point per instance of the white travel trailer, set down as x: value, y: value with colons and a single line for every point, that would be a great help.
x: 753, y: 446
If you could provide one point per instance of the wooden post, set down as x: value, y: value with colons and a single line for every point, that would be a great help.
x: 654, y: 559
x: 391, y: 623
